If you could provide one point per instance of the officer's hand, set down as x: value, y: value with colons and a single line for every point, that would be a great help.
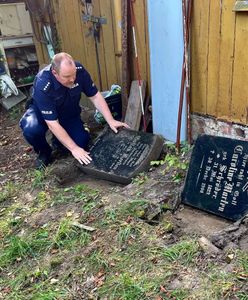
x: 81, y: 155
x: 114, y: 125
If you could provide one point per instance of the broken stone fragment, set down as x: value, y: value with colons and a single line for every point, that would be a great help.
x: 207, y: 246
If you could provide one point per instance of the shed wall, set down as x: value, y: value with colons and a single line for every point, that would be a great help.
x: 219, y: 62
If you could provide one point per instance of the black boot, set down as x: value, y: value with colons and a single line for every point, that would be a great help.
x: 58, y: 150
x: 43, y: 160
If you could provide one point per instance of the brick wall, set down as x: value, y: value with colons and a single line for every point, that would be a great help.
x: 211, y: 126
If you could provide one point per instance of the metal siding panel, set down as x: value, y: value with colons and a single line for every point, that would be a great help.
x: 166, y: 57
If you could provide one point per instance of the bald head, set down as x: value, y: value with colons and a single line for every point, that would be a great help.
x: 60, y: 59
x: 64, y: 69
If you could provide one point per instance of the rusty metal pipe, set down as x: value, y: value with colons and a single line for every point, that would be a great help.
x: 186, y: 10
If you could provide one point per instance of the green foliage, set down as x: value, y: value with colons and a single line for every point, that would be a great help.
x: 67, y: 235
x: 183, y: 252
x: 18, y: 248
x: 140, y: 179
x: 174, y: 161
x: 111, y: 214
x: 125, y: 232
x: 124, y: 287
x: 38, y: 177
x: 96, y: 261
x: 9, y: 191
x: 132, y: 208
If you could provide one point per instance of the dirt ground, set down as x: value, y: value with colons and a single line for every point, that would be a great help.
x: 16, y: 156
x: 16, y: 160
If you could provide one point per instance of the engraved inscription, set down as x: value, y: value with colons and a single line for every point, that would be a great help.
x: 121, y: 156
x: 220, y: 167
x: 222, y: 181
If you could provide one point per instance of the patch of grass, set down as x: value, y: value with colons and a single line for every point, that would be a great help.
x: 242, y: 296
x: 184, y: 252
x: 84, y: 192
x: 174, y: 161
x: 111, y: 214
x: 67, y: 235
x: 221, y: 284
x: 124, y: 287
x: 78, y: 193
x: 179, y: 294
x: 126, y: 231
x: 97, y: 261
x: 132, y: 208
x: 140, y: 179
x: 8, y: 192
x: 38, y: 177
x: 17, y: 248
x: 242, y: 260
x: 49, y: 295
x: 9, y: 219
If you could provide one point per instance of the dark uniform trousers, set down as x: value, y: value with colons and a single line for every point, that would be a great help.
x: 35, y: 128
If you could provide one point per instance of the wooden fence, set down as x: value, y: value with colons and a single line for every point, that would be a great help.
x: 219, y: 61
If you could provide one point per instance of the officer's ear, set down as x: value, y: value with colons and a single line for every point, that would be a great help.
x: 54, y: 72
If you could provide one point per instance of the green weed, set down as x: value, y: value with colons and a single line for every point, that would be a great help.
x: 67, y: 235
x: 111, y: 214
x: 38, y: 177
x: 132, y: 208
x: 140, y: 179
x: 124, y: 287
x: 49, y: 293
x: 97, y: 261
x: 78, y: 193
x: 183, y: 252
x: 175, y: 161
x: 18, y: 248
x: 8, y: 192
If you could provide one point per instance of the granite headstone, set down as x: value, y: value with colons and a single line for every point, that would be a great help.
x: 119, y: 157
x: 217, y: 179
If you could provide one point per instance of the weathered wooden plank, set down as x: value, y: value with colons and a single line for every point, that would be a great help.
x: 141, y: 39
x: 78, y: 49
x: 134, y: 112
x: 89, y: 46
x: 108, y: 43
x: 61, y: 20
x: 10, y: 23
x: 226, y: 60
x: 102, y: 73
x: 239, y: 104
x: 213, y: 56
x: 199, y: 54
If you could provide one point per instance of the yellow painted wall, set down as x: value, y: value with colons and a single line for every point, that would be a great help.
x: 219, y: 61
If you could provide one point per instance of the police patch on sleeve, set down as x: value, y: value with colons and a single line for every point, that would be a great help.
x: 46, y: 112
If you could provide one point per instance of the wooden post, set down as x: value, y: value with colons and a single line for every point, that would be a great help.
x: 125, y: 78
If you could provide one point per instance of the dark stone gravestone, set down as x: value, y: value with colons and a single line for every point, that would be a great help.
x: 217, y: 179
x: 119, y: 157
